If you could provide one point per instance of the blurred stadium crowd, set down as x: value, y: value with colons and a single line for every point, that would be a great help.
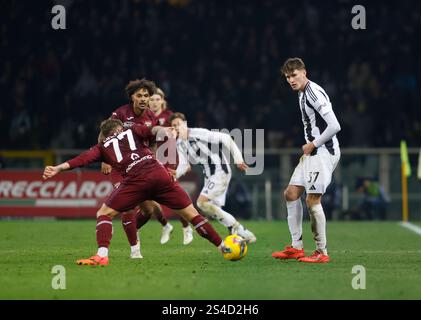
x: 217, y: 61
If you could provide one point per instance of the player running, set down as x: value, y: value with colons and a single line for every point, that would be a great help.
x: 137, y: 111
x: 144, y: 178
x: 314, y: 171
x: 159, y: 107
x: 194, y: 145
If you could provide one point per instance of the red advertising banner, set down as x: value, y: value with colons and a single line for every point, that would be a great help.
x: 73, y: 194
x: 70, y: 194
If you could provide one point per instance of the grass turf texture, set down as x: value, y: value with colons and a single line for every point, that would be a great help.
x: 29, y: 250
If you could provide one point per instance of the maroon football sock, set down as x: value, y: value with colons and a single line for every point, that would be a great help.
x: 204, y: 228
x: 104, y: 231
x: 183, y: 222
x: 141, y: 219
x: 128, y: 220
x: 160, y: 217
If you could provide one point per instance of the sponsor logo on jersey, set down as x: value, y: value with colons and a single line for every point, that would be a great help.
x: 130, y: 118
x: 148, y: 123
x: 130, y: 166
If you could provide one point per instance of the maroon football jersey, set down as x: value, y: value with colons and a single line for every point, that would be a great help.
x: 128, y: 117
x: 122, y: 151
x: 164, y: 118
x: 126, y: 114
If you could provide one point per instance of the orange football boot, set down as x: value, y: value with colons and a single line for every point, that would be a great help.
x: 316, y: 257
x: 289, y: 253
x: 95, y: 260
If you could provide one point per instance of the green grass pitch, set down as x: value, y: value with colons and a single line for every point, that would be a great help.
x: 390, y: 254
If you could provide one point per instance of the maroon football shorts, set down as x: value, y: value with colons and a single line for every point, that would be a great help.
x: 148, y: 181
x: 116, y: 178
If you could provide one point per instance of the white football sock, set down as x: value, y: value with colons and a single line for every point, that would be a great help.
x: 135, y: 248
x: 295, y: 222
x: 318, y: 227
x: 215, y: 212
x: 102, y: 252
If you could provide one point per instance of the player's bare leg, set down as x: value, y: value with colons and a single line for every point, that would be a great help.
x: 153, y: 208
x: 201, y: 225
x: 318, y: 227
x: 214, y: 211
x: 292, y: 196
x: 104, y: 232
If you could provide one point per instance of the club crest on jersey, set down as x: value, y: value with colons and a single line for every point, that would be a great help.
x: 128, y: 124
x: 161, y: 121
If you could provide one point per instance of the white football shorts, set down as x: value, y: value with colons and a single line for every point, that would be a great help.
x: 315, y: 172
x: 215, y: 188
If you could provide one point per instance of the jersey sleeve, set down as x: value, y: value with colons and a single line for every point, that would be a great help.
x: 229, y: 144
x: 142, y: 130
x: 318, y: 100
x: 183, y: 161
x: 85, y: 158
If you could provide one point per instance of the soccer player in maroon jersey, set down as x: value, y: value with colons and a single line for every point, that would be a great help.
x: 159, y: 106
x: 137, y: 111
x: 144, y: 178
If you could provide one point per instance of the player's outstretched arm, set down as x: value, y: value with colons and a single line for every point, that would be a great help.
x: 183, y: 163
x: 51, y: 171
x: 230, y: 144
x: 162, y: 132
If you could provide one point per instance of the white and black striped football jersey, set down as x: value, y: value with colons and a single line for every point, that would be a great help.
x: 314, y: 104
x: 211, y: 150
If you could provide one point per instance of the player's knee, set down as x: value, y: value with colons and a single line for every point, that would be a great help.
x: 313, y: 200
x: 102, y: 212
x: 290, y: 195
x: 148, y: 209
x: 203, y: 205
x: 200, y: 204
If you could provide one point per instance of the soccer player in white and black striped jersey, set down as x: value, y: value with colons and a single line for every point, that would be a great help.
x: 314, y: 172
x: 212, y: 151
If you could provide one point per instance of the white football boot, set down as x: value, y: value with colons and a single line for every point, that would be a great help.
x: 187, y: 235
x: 244, y: 233
x: 166, y: 232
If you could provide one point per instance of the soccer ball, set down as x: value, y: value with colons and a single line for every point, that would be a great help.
x: 238, y: 247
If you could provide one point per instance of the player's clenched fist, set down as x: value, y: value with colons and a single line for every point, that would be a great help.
x: 51, y: 171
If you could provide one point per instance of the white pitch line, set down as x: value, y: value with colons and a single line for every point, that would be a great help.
x: 411, y: 227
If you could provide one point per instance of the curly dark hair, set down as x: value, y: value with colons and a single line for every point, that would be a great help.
x: 137, y: 84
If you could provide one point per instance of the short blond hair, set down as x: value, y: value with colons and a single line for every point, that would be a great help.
x: 161, y: 93
x: 108, y: 127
